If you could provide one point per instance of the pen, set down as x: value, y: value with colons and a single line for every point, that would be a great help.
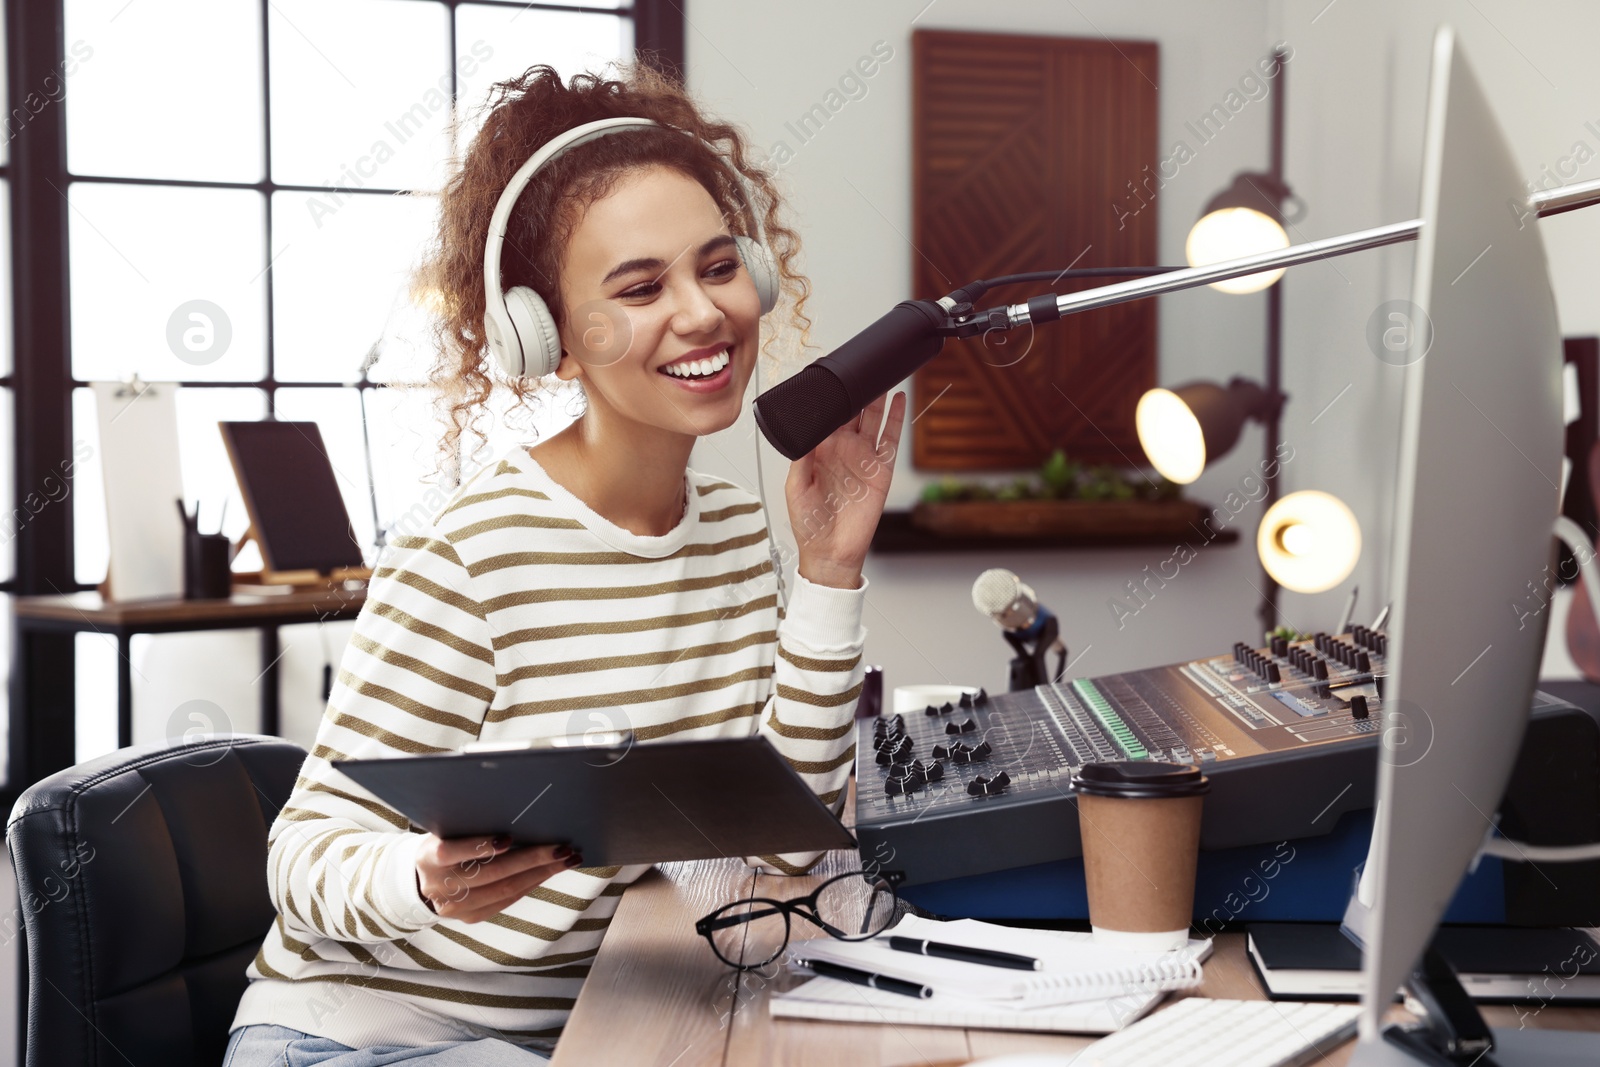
x: 867, y: 978
x: 985, y: 956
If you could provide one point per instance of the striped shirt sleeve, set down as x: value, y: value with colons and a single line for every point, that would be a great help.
x: 810, y: 718
x: 417, y: 677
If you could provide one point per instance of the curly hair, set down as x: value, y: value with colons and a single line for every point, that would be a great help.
x: 524, y: 113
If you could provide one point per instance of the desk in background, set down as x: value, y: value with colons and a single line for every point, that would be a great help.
x: 43, y: 737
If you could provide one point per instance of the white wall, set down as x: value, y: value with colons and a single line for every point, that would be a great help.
x: 850, y: 190
x: 1356, y: 86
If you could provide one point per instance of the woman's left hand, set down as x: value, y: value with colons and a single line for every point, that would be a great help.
x: 836, y: 493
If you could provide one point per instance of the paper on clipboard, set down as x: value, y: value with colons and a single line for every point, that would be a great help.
x: 143, y: 478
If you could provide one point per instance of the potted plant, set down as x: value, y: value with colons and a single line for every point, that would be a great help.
x: 1062, y: 498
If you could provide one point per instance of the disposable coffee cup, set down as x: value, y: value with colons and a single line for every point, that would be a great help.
x: 1140, y: 823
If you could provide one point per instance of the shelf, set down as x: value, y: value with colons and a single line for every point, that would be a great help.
x: 896, y: 536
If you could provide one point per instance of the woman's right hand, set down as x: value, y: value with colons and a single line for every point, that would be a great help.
x: 476, y: 878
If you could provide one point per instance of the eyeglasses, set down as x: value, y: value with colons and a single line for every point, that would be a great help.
x: 752, y: 933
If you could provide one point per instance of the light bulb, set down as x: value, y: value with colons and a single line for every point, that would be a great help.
x: 1170, y: 436
x: 1232, y: 233
x: 1298, y: 539
x: 1309, y: 541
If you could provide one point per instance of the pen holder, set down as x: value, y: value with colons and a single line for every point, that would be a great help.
x: 207, y: 574
x: 870, y: 704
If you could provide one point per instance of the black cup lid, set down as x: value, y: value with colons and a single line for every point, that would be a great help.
x: 1141, y: 779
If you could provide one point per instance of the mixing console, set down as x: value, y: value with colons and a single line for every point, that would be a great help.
x: 1286, y: 733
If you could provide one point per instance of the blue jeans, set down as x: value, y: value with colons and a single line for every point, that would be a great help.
x: 279, y: 1046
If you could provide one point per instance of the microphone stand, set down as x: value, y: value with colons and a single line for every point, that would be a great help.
x: 380, y: 536
x: 1028, y: 669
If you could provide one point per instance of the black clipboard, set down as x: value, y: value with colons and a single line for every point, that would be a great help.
x: 615, y: 804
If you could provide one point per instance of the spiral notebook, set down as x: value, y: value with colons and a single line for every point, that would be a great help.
x: 1075, y: 968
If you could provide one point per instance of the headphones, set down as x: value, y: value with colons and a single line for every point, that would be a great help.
x: 520, y: 330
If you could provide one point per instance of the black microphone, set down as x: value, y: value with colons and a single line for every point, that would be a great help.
x: 797, y: 414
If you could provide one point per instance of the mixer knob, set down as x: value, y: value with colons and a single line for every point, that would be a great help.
x: 982, y: 697
x: 1383, y: 644
x: 966, y: 699
x: 930, y: 710
x: 946, y: 708
x: 903, y: 780
x: 988, y: 787
x: 1280, y: 647
x: 894, y: 751
x: 1378, y: 683
x: 1363, y: 662
x: 935, y: 772
x: 940, y: 752
x: 969, y: 726
x: 982, y: 751
x: 1273, y: 674
x: 1319, y: 670
x: 1358, y: 707
x: 961, y: 753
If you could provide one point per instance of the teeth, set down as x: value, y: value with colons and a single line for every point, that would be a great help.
x: 699, y: 368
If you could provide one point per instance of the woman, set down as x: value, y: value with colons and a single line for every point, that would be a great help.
x: 593, y: 574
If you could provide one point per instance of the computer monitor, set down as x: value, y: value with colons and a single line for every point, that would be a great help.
x: 1478, y: 490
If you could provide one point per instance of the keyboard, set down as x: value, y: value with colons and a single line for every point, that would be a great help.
x: 1198, y: 1032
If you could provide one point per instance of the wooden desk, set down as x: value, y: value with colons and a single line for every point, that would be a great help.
x: 657, y: 997
x: 43, y: 738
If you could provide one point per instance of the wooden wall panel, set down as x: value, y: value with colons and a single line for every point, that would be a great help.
x: 1027, y: 153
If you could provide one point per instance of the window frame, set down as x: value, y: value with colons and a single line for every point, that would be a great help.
x: 41, y: 378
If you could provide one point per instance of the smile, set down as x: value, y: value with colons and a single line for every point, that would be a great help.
x: 698, y: 369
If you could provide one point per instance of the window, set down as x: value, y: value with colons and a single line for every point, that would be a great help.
x: 247, y: 186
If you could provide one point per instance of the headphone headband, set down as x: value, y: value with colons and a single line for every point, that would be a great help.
x: 518, y: 325
x: 552, y: 148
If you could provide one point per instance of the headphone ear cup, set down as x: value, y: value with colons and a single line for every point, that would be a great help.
x: 763, y: 269
x: 540, y: 341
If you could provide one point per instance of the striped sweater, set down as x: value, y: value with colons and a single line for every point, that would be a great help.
x: 521, y: 613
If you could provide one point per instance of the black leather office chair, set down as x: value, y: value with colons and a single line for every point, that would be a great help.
x: 143, y: 882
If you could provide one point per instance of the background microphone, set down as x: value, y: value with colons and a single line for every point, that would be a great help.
x: 797, y: 414
x: 1031, y: 629
x: 1009, y: 601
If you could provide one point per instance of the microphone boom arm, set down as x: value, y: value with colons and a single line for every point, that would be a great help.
x: 797, y: 414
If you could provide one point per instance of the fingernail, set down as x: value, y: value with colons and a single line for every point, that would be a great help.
x: 563, y: 852
x: 573, y: 861
x: 502, y: 842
